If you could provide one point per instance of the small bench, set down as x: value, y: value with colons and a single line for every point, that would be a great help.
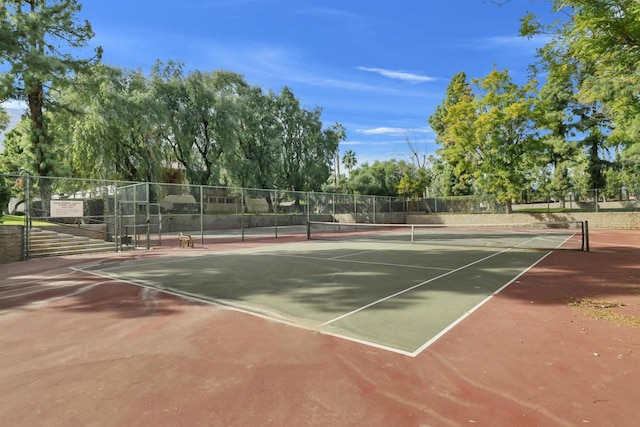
x: 185, y: 240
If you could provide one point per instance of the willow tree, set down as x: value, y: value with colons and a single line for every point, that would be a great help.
x: 199, y: 115
x: 112, y: 130
x: 308, y: 150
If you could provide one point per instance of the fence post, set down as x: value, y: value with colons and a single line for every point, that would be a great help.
x: 355, y: 207
x: 243, y: 195
x: 333, y: 207
x: 116, y: 214
x: 27, y: 217
x: 202, y: 214
x: 274, y: 208
x: 374, y: 210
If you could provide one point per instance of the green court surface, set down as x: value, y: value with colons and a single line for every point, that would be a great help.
x: 394, y: 295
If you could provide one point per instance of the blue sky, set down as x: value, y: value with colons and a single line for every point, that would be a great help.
x: 378, y: 67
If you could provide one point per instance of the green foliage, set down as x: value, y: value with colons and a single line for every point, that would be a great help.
x: 203, y: 128
x: 592, y: 65
x: 382, y: 178
x: 4, y: 119
x: 488, y: 137
x: 307, y: 150
x: 5, y: 196
x: 349, y: 160
x: 37, y: 39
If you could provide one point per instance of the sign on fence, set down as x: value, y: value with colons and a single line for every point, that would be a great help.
x: 67, y: 209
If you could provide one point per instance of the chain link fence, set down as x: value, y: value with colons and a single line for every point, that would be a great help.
x: 130, y: 214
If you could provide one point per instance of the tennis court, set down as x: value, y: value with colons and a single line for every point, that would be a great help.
x: 381, y: 286
x: 337, y: 330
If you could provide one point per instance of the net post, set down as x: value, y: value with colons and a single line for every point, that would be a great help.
x: 585, y: 235
x: 308, y: 230
x: 413, y: 227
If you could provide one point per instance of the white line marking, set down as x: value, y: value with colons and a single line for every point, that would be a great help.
x: 228, y: 305
x: 224, y: 305
x: 477, y: 306
x: 337, y: 259
x: 412, y: 288
x: 372, y: 250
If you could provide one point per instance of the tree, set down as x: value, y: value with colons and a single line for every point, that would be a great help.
x: 5, y: 196
x: 112, y: 127
x: 602, y: 39
x: 378, y: 179
x: 453, y: 122
x: 255, y: 162
x: 414, y: 181
x: 489, y: 138
x: 505, y: 136
x: 4, y: 119
x: 199, y: 116
x: 307, y: 150
x: 38, y: 38
x: 349, y: 160
x: 17, y: 155
x: 556, y: 116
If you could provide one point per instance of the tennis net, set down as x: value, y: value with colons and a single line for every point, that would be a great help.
x: 571, y: 235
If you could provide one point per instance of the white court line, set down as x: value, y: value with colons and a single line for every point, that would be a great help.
x: 372, y: 250
x: 477, y: 306
x: 338, y: 259
x: 412, y: 288
x: 426, y: 282
x: 235, y: 307
x: 228, y: 305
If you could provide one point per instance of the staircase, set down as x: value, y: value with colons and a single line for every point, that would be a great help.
x: 45, y: 243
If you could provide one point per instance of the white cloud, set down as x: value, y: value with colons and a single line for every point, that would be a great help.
x: 383, y: 131
x: 399, y: 75
x: 513, y: 42
x: 395, y: 131
x: 352, y: 143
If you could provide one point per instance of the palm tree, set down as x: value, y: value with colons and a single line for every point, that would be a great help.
x: 349, y: 160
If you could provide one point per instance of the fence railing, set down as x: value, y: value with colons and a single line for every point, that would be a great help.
x: 131, y: 213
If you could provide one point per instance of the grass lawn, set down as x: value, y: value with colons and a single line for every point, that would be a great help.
x: 19, y: 220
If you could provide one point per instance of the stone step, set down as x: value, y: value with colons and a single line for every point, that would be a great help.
x: 105, y: 247
x: 49, y: 235
x: 42, y: 243
x: 46, y: 243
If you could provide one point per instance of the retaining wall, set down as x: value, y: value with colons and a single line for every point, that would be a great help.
x: 188, y: 223
x: 602, y: 220
x: 11, y: 243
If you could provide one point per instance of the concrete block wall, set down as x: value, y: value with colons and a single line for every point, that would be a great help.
x: 11, y: 243
x: 380, y: 218
x: 190, y: 223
